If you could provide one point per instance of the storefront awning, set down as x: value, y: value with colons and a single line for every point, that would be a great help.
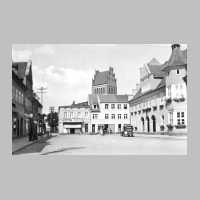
x: 72, y: 126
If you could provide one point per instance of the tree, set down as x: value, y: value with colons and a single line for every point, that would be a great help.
x: 52, y: 119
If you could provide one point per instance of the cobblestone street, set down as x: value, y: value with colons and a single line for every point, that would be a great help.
x: 108, y: 145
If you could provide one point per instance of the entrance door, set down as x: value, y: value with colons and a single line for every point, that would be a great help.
x: 93, y: 128
x: 72, y: 130
x: 148, y: 124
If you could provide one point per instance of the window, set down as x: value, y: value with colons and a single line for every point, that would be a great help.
x: 125, y: 116
x: 106, y: 106
x: 86, y: 114
x: 113, y: 116
x: 169, y: 91
x: 95, y: 116
x: 131, y: 113
x: 95, y: 106
x: 79, y: 114
x: 112, y: 106
x: 125, y: 106
x: 119, y: 106
x: 119, y: 116
x: 106, y: 116
x: 171, y: 117
x: 65, y: 115
x: 180, y: 118
x: 177, y: 71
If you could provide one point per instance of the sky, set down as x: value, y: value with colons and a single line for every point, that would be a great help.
x: 66, y: 70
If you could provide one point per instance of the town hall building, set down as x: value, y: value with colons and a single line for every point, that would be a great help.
x: 160, y: 104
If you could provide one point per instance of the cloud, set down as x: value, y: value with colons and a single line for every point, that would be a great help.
x: 63, y: 84
x: 21, y: 55
x: 45, y: 49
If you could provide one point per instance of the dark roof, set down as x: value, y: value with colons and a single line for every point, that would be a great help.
x: 112, y: 98
x: 140, y: 94
x: 156, y: 68
x: 178, y: 58
x: 102, y: 77
x: 93, y: 99
x: 77, y: 105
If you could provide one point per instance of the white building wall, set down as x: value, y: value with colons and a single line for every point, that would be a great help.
x: 101, y: 116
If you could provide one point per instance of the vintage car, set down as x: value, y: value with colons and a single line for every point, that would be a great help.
x: 127, y: 131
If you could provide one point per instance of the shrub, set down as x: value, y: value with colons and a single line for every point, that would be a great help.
x: 162, y: 127
x: 180, y: 126
x: 170, y: 127
x: 168, y: 101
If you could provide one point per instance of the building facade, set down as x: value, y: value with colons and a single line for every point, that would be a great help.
x: 108, y: 111
x: 25, y: 107
x: 74, y: 118
x: 160, y: 104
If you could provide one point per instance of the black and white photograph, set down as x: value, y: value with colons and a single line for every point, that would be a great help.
x: 99, y: 99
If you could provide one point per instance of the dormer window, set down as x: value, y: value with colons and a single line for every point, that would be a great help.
x: 177, y: 71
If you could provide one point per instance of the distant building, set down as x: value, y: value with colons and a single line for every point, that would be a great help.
x: 74, y: 118
x: 108, y: 111
x: 104, y: 82
x: 160, y: 103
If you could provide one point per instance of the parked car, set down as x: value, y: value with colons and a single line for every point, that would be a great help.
x: 127, y: 131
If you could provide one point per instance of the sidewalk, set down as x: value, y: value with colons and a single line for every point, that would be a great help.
x: 20, y: 143
x: 161, y: 136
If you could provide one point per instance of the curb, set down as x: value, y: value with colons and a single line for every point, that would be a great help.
x: 27, y: 145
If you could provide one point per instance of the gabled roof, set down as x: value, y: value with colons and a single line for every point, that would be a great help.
x: 101, y: 78
x: 156, y: 68
x: 140, y: 94
x: 77, y: 105
x: 177, y: 58
x: 93, y: 99
x: 112, y: 98
x: 22, y: 69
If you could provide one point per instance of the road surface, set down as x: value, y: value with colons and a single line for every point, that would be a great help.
x: 108, y: 145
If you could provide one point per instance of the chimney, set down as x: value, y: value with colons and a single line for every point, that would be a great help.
x: 175, y: 46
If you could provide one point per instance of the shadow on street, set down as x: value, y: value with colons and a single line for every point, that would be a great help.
x: 62, y: 149
x: 34, y: 148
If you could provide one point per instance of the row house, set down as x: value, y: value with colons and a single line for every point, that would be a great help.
x: 108, y: 111
x: 160, y: 104
x: 25, y: 106
x: 74, y: 118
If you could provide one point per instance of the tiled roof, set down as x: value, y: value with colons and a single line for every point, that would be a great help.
x: 77, y: 105
x: 102, y: 77
x: 140, y: 94
x: 93, y: 99
x: 112, y: 98
x: 178, y: 58
x: 156, y: 68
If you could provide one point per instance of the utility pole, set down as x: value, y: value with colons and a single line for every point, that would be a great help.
x: 42, y: 90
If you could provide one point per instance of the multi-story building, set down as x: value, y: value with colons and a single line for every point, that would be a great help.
x: 108, y: 111
x: 74, y: 118
x: 24, y: 105
x: 160, y: 103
